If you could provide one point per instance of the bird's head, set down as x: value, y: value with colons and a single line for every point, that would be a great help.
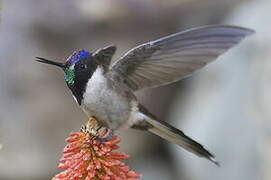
x: 78, y: 69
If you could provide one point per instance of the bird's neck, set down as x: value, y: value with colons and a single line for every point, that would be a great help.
x: 84, y: 84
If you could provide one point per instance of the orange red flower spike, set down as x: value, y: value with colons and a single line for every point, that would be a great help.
x: 85, y: 158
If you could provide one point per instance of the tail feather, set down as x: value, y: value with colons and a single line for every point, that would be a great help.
x: 176, y: 136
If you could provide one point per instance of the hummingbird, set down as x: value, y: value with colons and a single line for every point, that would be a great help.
x: 106, y: 90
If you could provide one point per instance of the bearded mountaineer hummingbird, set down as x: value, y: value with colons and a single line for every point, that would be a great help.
x: 106, y: 91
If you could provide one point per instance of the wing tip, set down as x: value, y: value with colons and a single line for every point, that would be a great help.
x: 245, y: 31
x: 213, y: 160
x: 250, y: 32
x: 208, y: 155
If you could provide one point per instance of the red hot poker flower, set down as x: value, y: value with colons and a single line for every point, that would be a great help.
x: 85, y: 158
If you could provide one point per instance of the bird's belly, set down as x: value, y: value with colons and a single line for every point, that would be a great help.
x: 110, y: 108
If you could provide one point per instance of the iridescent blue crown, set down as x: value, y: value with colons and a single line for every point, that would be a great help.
x: 78, y: 56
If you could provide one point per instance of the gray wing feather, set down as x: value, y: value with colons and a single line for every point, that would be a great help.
x: 105, y: 54
x: 172, y: 58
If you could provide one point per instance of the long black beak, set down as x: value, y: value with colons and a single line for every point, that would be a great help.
x: 46, y: 61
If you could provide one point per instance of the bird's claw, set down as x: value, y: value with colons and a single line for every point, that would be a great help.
x: 98, y: 132
x: 105, y: 137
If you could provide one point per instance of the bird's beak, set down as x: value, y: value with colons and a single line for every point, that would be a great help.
x: 46, y: 61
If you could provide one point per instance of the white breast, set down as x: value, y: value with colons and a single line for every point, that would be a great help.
x: 108, y: 106
x: 95, y: 85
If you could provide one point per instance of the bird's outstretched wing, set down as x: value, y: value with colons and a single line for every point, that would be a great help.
x: 172, y: 58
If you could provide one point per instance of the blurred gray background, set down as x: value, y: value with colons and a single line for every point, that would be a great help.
x: 225, y: 106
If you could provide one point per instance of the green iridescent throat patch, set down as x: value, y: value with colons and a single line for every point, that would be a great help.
x: 69, y: 76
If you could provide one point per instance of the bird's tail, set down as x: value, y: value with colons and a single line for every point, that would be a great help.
x: 176, y: 136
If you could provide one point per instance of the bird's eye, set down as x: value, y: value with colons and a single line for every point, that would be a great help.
x: 83, y: 66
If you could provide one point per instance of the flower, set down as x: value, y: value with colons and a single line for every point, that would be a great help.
x: 88, y: 158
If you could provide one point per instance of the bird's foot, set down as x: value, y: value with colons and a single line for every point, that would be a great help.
x: 103, y: 135
x: 98, y: 132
